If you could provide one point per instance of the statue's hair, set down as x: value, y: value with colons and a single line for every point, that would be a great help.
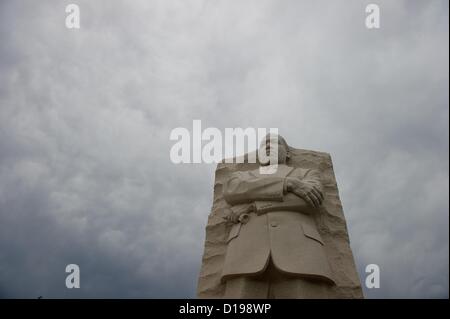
x: 280, y: 138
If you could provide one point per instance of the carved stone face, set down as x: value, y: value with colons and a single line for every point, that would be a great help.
x: 268, y: 148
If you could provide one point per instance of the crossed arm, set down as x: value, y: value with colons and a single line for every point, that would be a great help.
x: 244, y: 187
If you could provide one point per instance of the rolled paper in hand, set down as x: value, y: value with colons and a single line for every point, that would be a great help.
x: 243, y: 218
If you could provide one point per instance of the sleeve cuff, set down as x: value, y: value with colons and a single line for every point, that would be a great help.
x: 285, y: 190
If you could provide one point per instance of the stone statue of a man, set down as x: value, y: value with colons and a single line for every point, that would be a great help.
x: 274, y: 249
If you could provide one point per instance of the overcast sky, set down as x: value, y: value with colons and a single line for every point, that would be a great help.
x: 85, y: 119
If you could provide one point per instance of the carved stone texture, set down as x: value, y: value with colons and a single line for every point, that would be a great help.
x: 328, y: 221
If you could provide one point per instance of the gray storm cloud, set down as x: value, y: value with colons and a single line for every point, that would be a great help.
x: 85, y: 119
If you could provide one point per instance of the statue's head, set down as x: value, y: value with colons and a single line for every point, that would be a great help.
x: 267, y: 147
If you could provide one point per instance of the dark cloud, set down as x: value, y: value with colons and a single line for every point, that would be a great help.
x: 85, y: 118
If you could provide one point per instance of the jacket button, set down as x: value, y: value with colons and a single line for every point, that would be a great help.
x: 273, y: 224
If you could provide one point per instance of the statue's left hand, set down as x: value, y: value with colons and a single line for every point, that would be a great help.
x: 308, y: 192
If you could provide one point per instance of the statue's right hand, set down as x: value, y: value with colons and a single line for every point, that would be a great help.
x: 231, y: 216
x: 238, y: 215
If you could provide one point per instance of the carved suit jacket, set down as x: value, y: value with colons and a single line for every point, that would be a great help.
x: 281, y: 226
